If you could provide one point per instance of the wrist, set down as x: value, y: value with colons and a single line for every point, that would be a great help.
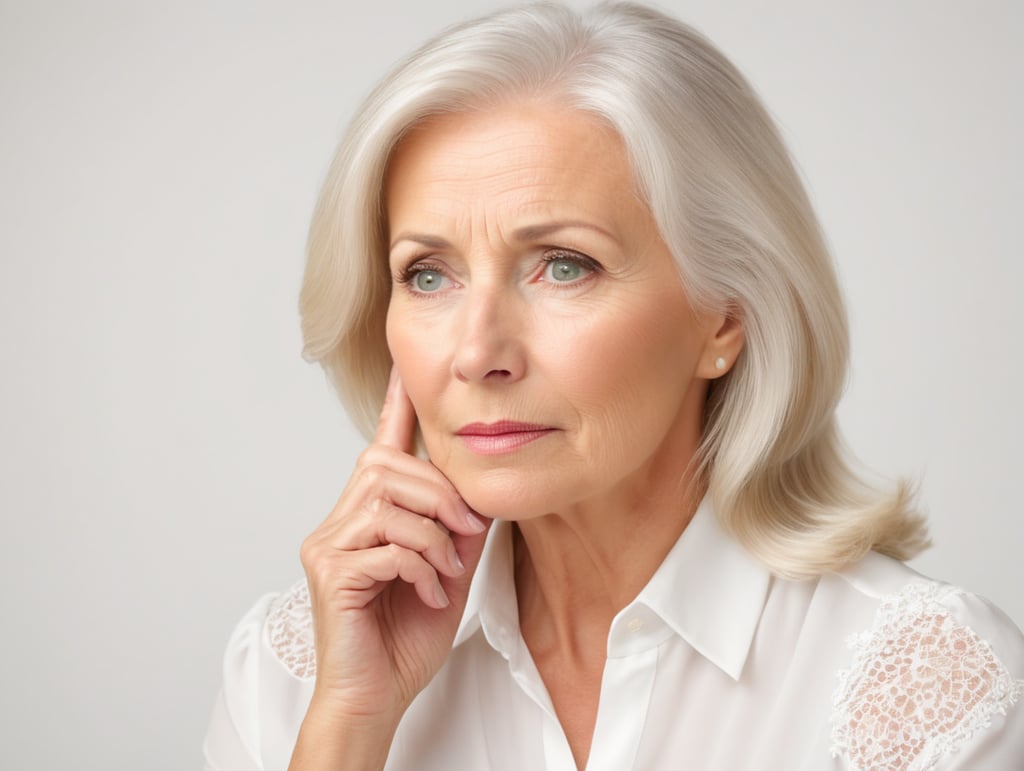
x: 334, y: 736
x: 339, y: 709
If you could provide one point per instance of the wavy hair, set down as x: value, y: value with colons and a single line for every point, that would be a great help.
x: 709, y: 162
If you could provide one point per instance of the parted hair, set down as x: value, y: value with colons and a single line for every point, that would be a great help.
x: 709, y: 162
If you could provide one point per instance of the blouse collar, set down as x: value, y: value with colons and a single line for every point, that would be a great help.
x: 709, y: 591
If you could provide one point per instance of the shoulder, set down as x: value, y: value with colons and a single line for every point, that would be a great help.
x: 931, y: 679
x: 288, y: 628
x: 278, y: 628
x: 267, y: 679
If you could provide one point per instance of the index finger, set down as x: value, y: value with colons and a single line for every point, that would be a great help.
x: 397, y: 425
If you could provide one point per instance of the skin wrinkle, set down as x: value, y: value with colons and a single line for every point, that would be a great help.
x: 617, y: 363
x: 614, y: 399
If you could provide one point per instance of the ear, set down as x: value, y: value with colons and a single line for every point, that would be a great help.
x: 722, y: 346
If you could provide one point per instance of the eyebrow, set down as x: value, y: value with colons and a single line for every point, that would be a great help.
x: 431, y: 242
x: 527, y: 233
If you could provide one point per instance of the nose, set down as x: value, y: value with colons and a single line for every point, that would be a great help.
x: 489, y: 339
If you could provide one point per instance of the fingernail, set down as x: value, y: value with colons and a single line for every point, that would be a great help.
x: 453, y: 557
x: 440, y: 596
x: 474, y: 522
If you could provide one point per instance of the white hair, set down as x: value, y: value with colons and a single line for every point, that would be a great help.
x: 710, y: 164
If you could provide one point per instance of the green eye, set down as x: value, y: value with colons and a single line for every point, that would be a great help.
x: 427, y: 280
x: 563, y: 270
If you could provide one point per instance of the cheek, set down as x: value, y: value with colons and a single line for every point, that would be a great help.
x: 628, y: 379
x: 422, y: 373
x: 615, y: 360
x: 417, y: 357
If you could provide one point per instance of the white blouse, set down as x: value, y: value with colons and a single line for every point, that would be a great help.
x: 715, y: 666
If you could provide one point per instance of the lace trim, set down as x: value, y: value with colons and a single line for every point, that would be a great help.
x: 290, y: 631
x: 921, y: 684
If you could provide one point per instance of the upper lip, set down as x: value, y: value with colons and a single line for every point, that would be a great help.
x: 500, y: 427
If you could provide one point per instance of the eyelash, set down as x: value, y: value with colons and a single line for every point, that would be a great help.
x: 567, y: 255
x: 407, y: 274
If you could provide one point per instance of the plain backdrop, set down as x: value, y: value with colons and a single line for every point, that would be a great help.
x: 164, y: 447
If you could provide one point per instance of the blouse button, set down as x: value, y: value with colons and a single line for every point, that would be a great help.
x: 635, y: 625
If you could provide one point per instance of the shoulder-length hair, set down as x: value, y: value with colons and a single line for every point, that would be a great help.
x: 710, y: 164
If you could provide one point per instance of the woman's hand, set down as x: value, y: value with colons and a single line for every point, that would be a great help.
x: 388, y: 572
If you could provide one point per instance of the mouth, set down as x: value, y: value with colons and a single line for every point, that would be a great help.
x: 501, y: 437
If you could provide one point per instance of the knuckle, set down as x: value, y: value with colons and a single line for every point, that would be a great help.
x: 373, y: 475
x: 368, y: 456
x: 432, y: 531
x: 430, y: 537
x: 309, y: 551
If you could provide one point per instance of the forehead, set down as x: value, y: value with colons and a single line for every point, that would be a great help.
x: 516, y: 158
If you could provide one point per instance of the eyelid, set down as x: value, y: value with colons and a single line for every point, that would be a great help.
x: 561, y: 254
x: 573, y: 255
x: 406, y: 276
x: 405, y: 273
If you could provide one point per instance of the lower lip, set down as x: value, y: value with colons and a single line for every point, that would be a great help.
x: 499, y: 444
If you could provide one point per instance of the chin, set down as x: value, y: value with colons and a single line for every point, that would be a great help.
x: 502, y: 494
x: 497, y: 489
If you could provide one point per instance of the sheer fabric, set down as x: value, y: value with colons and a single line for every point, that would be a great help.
x: 716, y: 666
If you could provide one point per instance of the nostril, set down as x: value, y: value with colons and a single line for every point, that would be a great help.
x: 500, y: 374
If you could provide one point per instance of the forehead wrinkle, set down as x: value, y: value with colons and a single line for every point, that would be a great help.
x: 522, y: 210
x: 511, y: 151
x: 518, y: 174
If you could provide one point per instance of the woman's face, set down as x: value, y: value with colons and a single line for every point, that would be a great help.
x: 537, y: 319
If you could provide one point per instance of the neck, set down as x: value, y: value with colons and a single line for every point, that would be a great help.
x: 575, y: 571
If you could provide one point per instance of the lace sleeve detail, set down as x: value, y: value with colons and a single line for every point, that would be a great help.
x: 921, y: 684
x: 290, y: 631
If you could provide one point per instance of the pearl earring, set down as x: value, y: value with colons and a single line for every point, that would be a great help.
x: 719, y: 363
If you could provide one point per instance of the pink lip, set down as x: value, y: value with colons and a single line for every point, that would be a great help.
x: 501, y: 437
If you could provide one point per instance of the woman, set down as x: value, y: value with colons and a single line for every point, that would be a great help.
x: 615, y: 341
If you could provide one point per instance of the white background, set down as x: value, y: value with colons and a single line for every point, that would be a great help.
x: 165, y: 449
